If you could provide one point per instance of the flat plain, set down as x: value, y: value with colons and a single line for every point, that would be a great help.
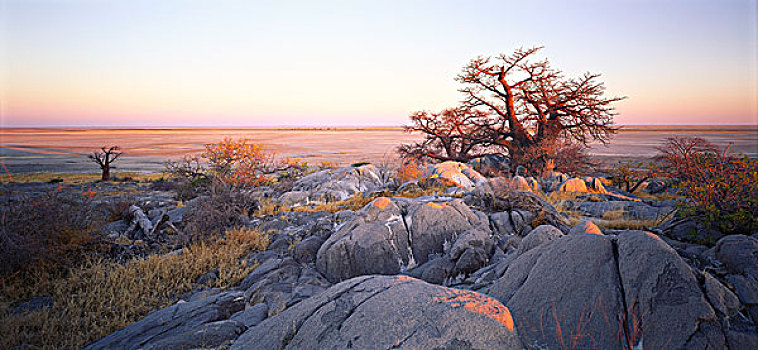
x: 30, y: 150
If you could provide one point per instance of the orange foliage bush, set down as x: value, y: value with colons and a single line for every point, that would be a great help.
x: 239, y: 162
x: 722, y: 186
x: 409, y: 170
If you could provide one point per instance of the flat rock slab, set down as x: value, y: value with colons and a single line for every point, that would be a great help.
x: 183, y: 318
x: 387, y: 312
x: 631, y: 210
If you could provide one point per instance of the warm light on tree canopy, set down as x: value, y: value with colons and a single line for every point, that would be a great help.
x: 518, y: 103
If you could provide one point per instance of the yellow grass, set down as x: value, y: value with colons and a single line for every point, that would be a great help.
x: 618, y: 220
x: 614, y: 220
x: 101, y: 297
x: 75, y: 178
x: 556, y: 197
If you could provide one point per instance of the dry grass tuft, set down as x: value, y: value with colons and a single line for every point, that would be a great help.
x: 101, y: 297
x: 614, y: 215
x: 77, y: 178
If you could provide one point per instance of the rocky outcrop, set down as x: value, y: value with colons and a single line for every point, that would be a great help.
x: 596, y: 291
x: 574, y: 184
x: 389, y: 236
x: 453, y: 174
x: 383, y: 312
x: 739, y: 254
x: 332, y: 185
x: 183, y: 325
x: 520, y: 183
x: 585, y: 227
x: 541, y: 234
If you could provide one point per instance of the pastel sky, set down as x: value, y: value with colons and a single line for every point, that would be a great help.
x: 307, y: 63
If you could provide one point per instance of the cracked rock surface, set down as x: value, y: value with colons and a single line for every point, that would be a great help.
x: 390, y: 236
x: 387, y: 312
x: 177, y: 326
x: 589, y: 290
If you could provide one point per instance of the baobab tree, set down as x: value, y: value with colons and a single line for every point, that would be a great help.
x: 104, y: 158
x: 526, y: 107
x: 453, y: 134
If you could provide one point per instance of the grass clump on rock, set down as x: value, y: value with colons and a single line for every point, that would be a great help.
x: 100, y: 297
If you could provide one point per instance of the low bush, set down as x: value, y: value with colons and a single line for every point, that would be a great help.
x: 562, y: 154
x: 212, y: 215
x: 409, y: 170
x: 629, y: 176
x: 239, y: 162
x: 52, y: 228
x: 722, y: 187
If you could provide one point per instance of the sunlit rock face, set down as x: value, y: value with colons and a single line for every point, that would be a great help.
x: 388, y: 312
x: 453, y: 174
x: 389, y: 236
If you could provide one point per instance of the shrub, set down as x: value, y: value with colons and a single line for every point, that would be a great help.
x: 239, y: 162
x: 409, y: 170
x: 562, y: 154
x: 49, y: 228
x: 211, y: 216
x: 630, y: 175
x: 189, y: 167
x: 722, y: 187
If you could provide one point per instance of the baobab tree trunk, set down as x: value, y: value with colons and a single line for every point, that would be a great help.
x: 106, y: 172
x: 104, y: 158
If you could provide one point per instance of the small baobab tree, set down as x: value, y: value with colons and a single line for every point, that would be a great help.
x: 104, y: 157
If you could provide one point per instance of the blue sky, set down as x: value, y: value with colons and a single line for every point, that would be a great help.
x: 251, y: 63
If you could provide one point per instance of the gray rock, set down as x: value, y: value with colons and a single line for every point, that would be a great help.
x: 663, y: 296
x: 632, y: 210
x: 209, y: 335
x: 114, y: 229
x: 690, y: 231
x: 472, y: 259
x: 35, y: 304
x: 409, y: 186
x: 389, y: 236
x: 585, y: 227
x: 208, y: 278
x: 491, y: 165
x: 721, y: 298
x: 540, y: 235
x: 565, y: 284
x: 471, y: 238
x: 332, y: 185
x: 382, y: 312
x: 280, y: 244
x: 455, y: 191
x: 343, y: 215
x: 648, y: 294
x: 252, y: 315
x: 739, y: 253
x: 305, y: 251
x: 501, y: 224
x: 180, y: 318
x: 294, y: 198
x: 435, y: 271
